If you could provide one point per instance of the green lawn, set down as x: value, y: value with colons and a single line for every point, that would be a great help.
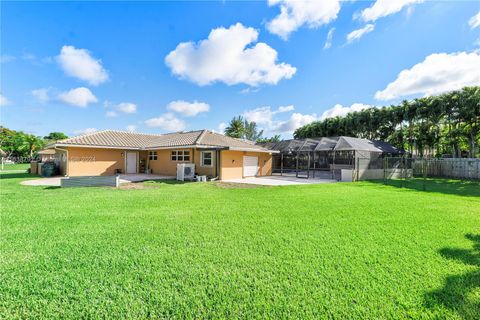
x: 343, y: 251
x: 15, y: 166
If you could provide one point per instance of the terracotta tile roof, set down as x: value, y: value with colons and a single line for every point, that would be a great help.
x: 141, y: 141
x: 215, y: 139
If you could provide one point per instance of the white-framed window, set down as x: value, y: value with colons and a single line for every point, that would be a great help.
x: 207, y: 159
x: 180, y: 155
x: 152, y: 155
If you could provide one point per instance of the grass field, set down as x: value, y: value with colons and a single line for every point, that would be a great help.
x: 16, y: 166
x: 343, y: 251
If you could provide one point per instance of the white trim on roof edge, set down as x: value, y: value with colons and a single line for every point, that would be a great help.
x: 95, y: 146
x: 166, y: 148
x: 184, y: 146
x: 253, y: 150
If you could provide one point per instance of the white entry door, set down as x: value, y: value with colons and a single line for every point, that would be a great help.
x: 131, y: 162
x: 250, y: 166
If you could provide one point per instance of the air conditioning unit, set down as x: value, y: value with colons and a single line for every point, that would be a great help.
x: 185, y: 171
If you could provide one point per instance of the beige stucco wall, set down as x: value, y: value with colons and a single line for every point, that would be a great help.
x: 232, y: 164
x: 207, y: 171
x: 106, y: 161
x: 94, y: 162
x: 165, y: 166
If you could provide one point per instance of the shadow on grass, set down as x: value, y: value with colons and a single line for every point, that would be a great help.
x: 460, y: 292
x: 457, y: 187
x: 17, y: 175
x: 52, y: 187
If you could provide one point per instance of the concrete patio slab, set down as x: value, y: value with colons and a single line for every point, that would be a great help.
x: 138, y: 177
x: 279, y: 181
x: 51, y: 182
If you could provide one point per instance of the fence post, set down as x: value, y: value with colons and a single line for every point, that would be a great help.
x: 281, y: 164
x: 358, y: 169
x: 402, y: 174
x: 385, y: 162
x: 424, y: 172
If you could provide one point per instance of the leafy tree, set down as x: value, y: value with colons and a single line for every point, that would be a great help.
x: 55, y: 136
x: 19, y: 144
x: 275, y: 138
x: 431, y: 126
x: 251, y: 132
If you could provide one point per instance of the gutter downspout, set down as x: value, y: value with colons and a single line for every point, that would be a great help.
x: 66, y: 151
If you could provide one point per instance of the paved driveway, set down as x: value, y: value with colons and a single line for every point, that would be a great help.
x: 279, y: 181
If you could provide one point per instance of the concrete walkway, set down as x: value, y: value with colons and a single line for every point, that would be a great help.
x: 279, y: 181
x: 124, y: 178
x: 51, y: 182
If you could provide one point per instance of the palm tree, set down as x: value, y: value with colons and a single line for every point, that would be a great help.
x: 243, y: 129
x: 251, y: 132
x: 236, y: 128
x: 32, y: 144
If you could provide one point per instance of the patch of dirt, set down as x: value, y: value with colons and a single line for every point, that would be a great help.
x: 234, y: 185
x: 136, y: 186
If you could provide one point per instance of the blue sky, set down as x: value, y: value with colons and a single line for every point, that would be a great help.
x: 76, y: 67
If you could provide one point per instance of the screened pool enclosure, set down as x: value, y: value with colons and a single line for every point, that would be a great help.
x: 323, y: 158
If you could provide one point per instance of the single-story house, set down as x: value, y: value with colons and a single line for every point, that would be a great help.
x: 111, y: 152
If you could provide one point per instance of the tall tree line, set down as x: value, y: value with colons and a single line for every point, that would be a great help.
x: 447, y: 124
x: 19, y: 144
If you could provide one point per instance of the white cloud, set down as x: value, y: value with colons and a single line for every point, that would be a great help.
x: 474, y: 21
x: 131, y: 128
x: 285, y: 108
x: 383, y: 8
x: 340, y: 111
x: 357, y: 34
x: 41, y: 94
x: 328, y: 42
x: 296, y: 121
x: 85, y: 131
x: 249, y: 90
x: 29, y: 56
x: 189, y: 109
x: 167, y: 122
x: 221, y: 127
x: 126, y: 107
x: 439, y: 72
x: 4, y: 101
x: 78, y: 63
x: 265, y: 118
x: 229, y: 56
x: 294, y: 14
x: 79, y: 97
x: 123, y: 107
x: 264, y: 115
x: 477, y: 42
x: 4, y: 58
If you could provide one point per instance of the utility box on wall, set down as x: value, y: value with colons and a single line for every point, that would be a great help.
x: 346, y: 175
